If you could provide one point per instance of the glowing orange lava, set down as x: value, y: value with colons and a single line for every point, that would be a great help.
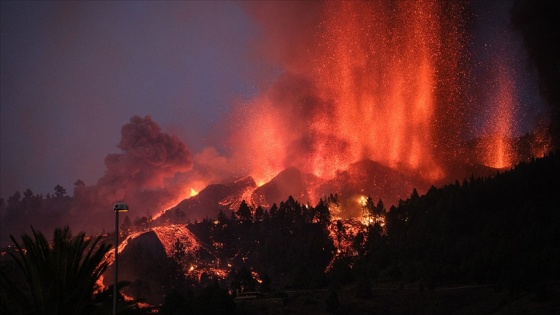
x: 368, y: 93
x: 542, y: 144
x: 379, y: 71
x: 499, y: 151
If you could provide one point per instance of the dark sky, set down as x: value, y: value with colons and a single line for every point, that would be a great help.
x: 73, y: 73
x: 494, y: 41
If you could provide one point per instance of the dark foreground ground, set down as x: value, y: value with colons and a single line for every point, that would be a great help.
x: 410, y: 299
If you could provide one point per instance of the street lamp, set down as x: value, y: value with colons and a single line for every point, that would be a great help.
x: 118, y: 207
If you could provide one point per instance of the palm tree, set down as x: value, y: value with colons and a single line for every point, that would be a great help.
x: 58, y: 278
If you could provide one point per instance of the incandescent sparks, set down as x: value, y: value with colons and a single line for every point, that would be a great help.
x: 367, y: 90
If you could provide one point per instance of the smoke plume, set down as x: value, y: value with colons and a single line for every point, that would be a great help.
x: 144, y: 175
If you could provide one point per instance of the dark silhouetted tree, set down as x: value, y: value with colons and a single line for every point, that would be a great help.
x: 14, y: 201
x: 259, y: 214
x: 59, y: 278
x: 322, y: 213
x: 244, y: 212
x: 59, y: 191
x: 380, y: 208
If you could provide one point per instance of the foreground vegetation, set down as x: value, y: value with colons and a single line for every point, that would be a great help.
x: 494, y: 240
x: 498, y: 234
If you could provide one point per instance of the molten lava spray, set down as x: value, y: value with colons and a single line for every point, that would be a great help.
x: 499, y: 150
x: 500, y: 85
x: 364, y: 87
x: 380, y: 73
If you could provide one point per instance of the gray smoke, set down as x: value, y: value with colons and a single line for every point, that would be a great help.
x: 142, y: 175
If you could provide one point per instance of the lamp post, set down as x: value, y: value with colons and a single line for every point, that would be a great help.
x: 118, y: 207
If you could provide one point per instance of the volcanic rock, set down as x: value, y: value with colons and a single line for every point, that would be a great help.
x: 290, y: 182
x: 210, y: 201
x: 143, y: 263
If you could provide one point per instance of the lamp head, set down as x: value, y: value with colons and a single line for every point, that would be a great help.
x: 120, y: 207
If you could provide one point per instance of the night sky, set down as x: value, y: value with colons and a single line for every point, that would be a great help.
x: 73, y: 73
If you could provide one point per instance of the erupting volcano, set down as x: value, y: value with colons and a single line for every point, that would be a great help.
x: 303, y: 145
x: 384, y: 81
x: 396, y: 83
x: 357, y: 98
x: 379, y: 72
x: 369, y: 98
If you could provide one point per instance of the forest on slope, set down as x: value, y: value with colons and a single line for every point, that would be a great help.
x: 500, y: 231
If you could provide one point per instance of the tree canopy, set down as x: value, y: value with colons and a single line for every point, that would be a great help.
x: 58, y: 277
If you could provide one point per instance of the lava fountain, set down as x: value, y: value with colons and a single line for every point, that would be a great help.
x: 499, y: 150
x: 366, y: 89
x: 379, y: 70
